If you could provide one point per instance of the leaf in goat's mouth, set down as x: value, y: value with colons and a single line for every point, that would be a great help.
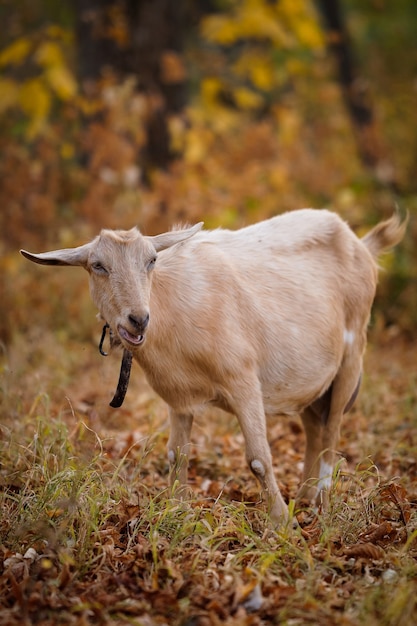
x: 136, y: 340
x: 123, y: 383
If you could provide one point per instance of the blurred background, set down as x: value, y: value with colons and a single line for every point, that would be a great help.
x: 116, y: 113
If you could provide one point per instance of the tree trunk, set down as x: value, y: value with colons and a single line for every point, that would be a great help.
x: 356, y: 94
x: 150, y: 51
x: 156, y: 33
x: 97, y: 48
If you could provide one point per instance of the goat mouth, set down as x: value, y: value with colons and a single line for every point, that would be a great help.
x: 134, y: 340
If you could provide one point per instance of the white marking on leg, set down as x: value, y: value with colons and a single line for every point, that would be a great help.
x: 325, y: 476
x: 171, y: 457
x: 257, y: 467
x: 348, y: 337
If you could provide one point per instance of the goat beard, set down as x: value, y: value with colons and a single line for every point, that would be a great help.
x: 124, y: 377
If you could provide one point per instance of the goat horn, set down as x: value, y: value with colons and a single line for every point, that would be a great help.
x: 123, y: 383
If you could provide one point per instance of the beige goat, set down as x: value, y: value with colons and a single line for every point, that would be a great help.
x: 269, y: 319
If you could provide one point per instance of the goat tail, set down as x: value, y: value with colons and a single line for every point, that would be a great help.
x: 385, y: 235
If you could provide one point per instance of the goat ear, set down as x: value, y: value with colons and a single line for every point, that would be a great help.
x: 67, y: 256
x: 166, y: 240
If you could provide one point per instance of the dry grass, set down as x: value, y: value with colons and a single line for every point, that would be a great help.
x: 90, y: 535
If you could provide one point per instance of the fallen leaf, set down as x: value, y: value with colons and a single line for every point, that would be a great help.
x: 365, y: 550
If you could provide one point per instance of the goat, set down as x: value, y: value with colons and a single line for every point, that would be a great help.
x: 266, y: 320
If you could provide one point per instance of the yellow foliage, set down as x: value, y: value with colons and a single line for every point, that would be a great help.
x: 49, y: 53
x: 177, y: 132
x: 89, y: 106
x: 309, y: 34
x: 265, y: 27
x: 67, y: 150
x: 9, y: 94
x: 35, y: 101
x: 16, y: 53
x: 262, y: 74
x: 218, y: 28
x: 278, y: 177
x: 386, y: 261
x: 34, y: 95
x: 196, y: 147
x: 289, y: 125
x: 57, y: 32
x: 250, y: 19
x: 296, y: 67
x: 301, y: 20
x: 284, y: 23
x: 61, y: 81
x: 258, y: 20
x: 247, y: 99
x: 210, y: 88
x: 258, y: 67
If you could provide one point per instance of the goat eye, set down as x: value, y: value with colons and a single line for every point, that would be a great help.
x: 152, y: 263
x: 98, y: 268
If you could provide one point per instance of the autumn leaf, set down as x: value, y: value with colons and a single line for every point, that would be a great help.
x: 365, y: 550
x: 246, y: 99
x: 380, y: 534
x: 61, y: 81
x: 301, y: 20
x: 49, y: 56
x: 256, y: 66
x: 35, y: 101
x: 262, y: 73
x: 9, y: 94
x: 397, y: 494
x: 16, y: 52
x: 251, y: 18
x: 49, y: 53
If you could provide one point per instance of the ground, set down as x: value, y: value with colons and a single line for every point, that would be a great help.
x: 90, y: 534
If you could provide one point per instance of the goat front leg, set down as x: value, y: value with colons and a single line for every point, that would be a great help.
x: 179, y: 449
x: 251, y: 415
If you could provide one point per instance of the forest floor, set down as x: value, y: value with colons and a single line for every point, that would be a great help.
x: 89, y: 534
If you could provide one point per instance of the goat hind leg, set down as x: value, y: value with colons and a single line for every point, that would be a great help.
x: 321, y: 424
x: 344, y: 391
x: 313, y: 427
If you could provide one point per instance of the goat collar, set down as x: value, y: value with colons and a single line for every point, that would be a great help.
x: 125, y: 368
x: 123, y: 383
x: 103, y: 336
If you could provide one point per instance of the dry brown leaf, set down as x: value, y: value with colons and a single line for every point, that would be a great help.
x: 365, y: 550
x: 397, y: 494
x: 382, y: 533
